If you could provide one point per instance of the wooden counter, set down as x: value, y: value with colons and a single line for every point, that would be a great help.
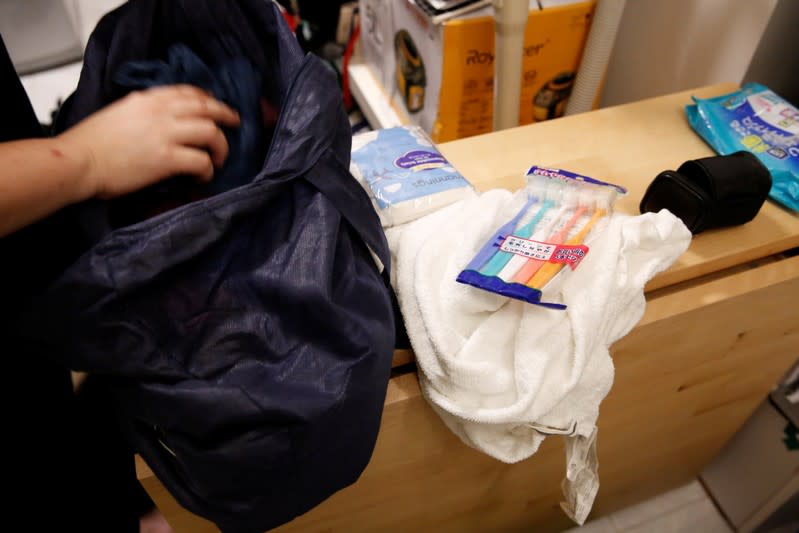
x: 721, y: 326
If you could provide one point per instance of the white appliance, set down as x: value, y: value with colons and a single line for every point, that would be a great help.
x: 39, y: 34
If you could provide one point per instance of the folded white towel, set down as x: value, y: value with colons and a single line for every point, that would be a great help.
x: 503, y: 374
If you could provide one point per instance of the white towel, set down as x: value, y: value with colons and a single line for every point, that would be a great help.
x: 503, y: 374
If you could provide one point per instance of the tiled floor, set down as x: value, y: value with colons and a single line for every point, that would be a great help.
x: 687, y: 509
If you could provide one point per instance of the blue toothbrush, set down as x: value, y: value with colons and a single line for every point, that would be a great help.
x: 500, y: 259
x: 490, y: 248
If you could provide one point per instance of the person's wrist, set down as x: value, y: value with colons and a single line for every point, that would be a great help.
x: 81, y: 158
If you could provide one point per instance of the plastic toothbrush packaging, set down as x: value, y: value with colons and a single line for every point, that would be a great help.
x: 545, y: 239
x: 758, y: 120
x: 404, y: 174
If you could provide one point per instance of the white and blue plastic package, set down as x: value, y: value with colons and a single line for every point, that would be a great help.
x: 404, y: 174
x: 758, y: 120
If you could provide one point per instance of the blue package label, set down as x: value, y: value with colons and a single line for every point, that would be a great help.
x: 420, y: 160
x: 565, y: 176
x: 401, y: 164
x: 757, y: 120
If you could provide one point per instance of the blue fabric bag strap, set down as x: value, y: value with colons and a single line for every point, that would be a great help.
x: 354, y: 205
x: 313, y: 140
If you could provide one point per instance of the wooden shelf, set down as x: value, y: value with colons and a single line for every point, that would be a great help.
x: 371, y: 97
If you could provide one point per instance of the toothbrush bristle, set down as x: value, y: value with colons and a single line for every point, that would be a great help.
x: 586, y: 197
x: 571, y: 197
x: 605, y: 198
x: 554, y: 192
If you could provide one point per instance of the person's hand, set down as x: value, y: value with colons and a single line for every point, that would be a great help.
x: 148, y: 136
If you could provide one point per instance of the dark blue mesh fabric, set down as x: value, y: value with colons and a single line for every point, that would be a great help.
x: 248, y: 335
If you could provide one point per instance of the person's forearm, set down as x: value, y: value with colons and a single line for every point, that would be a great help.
x: 38, y: 177
x: 133, y: 143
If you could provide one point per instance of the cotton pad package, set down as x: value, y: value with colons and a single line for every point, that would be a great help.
x: 545, y: 238
x: 404, y: 174
x: 758, y: 120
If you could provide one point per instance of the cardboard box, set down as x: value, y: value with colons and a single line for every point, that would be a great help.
x: 442, y: 75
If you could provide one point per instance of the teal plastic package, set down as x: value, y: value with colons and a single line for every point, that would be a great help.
x: 758, y: 120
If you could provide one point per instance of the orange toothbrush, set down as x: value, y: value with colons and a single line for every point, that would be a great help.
x: 533, y: 265
x: 548, y: 271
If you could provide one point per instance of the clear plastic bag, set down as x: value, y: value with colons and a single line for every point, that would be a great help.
x: 560, y: 209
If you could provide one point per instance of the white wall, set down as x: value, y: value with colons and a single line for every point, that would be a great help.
x: 86, y: 13
x: 665, y: 46
x: 776, y: 63
x: 46, y: 88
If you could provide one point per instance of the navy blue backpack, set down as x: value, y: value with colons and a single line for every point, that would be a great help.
x: 247, y: 334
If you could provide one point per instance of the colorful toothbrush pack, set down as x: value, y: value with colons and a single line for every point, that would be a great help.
x: 545, y: 238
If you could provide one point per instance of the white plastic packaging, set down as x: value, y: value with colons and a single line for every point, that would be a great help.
x: 405, y: 175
